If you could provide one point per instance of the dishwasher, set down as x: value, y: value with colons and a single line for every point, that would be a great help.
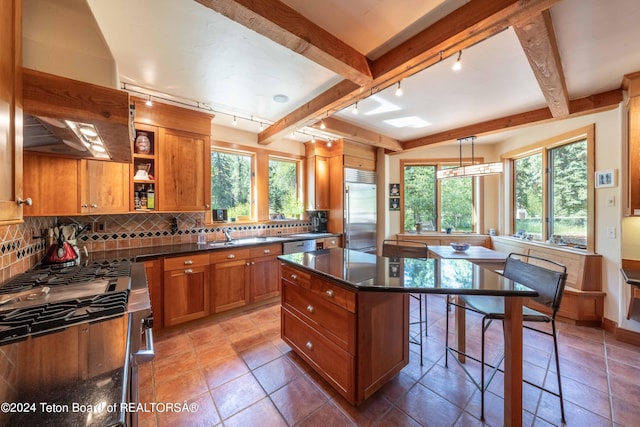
x: 299, y: 246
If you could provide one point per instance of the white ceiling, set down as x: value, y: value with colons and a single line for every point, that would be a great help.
x: 181, y: 48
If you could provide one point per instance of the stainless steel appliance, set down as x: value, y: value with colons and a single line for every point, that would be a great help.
x: 79, y: 343
x: 319, y: 221
x: 360, y: 210
x: 299, y: 246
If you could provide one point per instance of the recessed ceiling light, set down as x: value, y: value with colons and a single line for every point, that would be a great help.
x: 408, y: 122
x: 280, y: 98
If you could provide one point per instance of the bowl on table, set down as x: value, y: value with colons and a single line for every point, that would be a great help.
x: 459, y: 247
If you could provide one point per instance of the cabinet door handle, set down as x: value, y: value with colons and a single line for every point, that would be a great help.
x: 330, y: 293
x: 188, y: 262
x: 188, y: 271
x: 84, y: 205
x: 309, y: 345
x: 253, y: 262
x: 333, y: 242
x: 310, y: 308
x: 231, y: 256
x: 294, y: 276
x: 248, y: 263
x: 267, y: 251
x: 93, y: 206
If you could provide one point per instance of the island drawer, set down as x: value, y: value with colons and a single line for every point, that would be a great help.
x: 296, y: 276
x: 334, y: 294
x: 336, y: 323
x: 229, y: 255
x: 188, y: 261
x: 333, y: 363
x: 266, y: 250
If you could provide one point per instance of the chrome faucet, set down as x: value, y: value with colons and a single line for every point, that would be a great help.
x: 227, y: 234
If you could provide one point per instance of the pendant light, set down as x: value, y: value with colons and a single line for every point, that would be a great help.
x: 471, y: 170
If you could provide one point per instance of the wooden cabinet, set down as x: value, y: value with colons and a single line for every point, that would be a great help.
x: 186, y: 288
x: 244, y: 276
x: 143, y: 169
x: 52, y: 183
x: 229, y: 275
x: 328, y: 243
x: 154, y: 271
x: 184, y: 171
x: 179, y: 159
x: 317, y: 182
x: 61, y: 186
x: 104, y: 187
x: 357, y: 341
x: 11, y: 112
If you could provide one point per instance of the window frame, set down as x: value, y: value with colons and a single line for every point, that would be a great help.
x: 299, y: 184
x: 544, y: 147
x: 477, y: 191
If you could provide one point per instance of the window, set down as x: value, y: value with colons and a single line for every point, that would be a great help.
x: 551, y: 191
x: 231, y: 183
x: 284, y: 201
x: 437, y: 204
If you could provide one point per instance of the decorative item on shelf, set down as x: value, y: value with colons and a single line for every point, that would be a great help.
x: 136, y: 200
x: 143, y: 200
x: 142, y: 172
x: 142, y: 144
x: 460, y: 246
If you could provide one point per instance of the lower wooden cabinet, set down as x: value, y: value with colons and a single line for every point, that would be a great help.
x: 357, y: 341
x: 186, y: 288
x: 229, y: 279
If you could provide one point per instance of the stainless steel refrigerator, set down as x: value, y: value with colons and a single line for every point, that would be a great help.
x: 360, y: 210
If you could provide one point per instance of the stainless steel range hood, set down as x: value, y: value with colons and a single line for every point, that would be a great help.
x: 68, y: 117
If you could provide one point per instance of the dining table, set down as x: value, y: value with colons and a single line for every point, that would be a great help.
x: 363, y: 272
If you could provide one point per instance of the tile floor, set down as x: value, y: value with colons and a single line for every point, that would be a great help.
x: 240, y: 373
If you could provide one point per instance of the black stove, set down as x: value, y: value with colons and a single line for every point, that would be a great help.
x: 79, y: 294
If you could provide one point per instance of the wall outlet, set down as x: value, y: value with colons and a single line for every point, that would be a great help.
x: 611, y: 232
x: 100, y: 227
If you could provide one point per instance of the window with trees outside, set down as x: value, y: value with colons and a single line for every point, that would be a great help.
x: 438, y: 205
x: 284, y: 199
x: 231, y: 182
x: 551, y: 192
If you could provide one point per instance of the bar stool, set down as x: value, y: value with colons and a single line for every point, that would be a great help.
x: 411, y: 249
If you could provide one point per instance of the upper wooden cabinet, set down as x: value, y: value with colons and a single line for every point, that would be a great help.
x: 180, y: 160
x: 317, y: 182
x: 52, y: 183
x: 104, y: 187
x: 11, y: 112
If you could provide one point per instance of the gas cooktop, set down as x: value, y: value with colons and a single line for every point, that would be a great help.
x: 73, y: 295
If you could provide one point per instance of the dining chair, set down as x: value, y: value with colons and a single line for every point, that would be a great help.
x: 411, y: 249
x: 545, y: 276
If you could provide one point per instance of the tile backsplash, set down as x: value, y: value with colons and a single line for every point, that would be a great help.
x: 23, y: 245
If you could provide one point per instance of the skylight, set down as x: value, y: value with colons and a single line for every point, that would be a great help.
x: 408, y: 122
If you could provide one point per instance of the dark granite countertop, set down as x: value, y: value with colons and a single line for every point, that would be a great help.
x: 150, y: 252
x: 367, y: 272
x: 631, y: 276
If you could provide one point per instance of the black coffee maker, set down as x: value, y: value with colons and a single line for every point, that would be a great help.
x: 319, y: 221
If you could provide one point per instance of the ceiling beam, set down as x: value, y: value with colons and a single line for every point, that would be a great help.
x: 588, y: 105
x: 538, y: 40
x: 357, y: 134
x: 283, y: 25
x: 466, y: 26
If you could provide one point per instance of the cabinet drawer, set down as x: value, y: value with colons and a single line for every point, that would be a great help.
x: 266, y: 250
x: 228, y: 255
x: 185, y: 262
x: 331, y: 362
x: 333, y: 321
x: 334, y: 294
x: 331, y: 242
x: 296, y: 276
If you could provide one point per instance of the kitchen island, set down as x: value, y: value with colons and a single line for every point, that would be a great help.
x: 346, y: 313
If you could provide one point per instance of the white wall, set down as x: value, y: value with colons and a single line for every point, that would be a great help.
x: 610, y: 135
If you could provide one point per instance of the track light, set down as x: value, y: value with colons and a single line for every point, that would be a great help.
x: 355, y: 108
x: 457, y: 65
x: 329, y: 144
x: 235, y: 121
x: 322, y: 125
x: 261, y: 127
x: 149, y: 103
x: 313, y: 139
x: 399, y: 89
